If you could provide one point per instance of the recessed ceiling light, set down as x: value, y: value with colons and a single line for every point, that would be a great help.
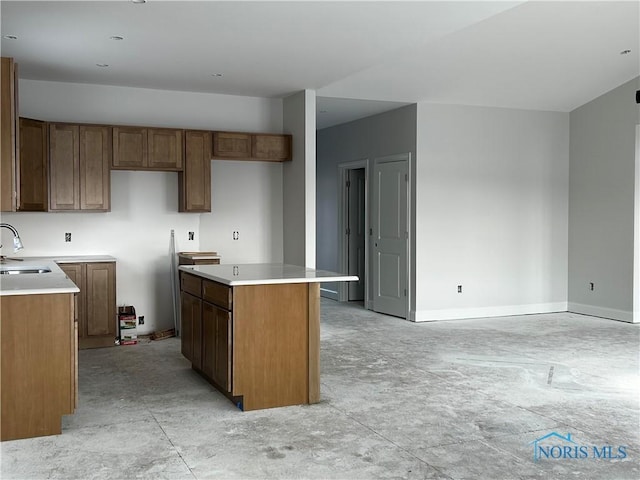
x: 102, y: 65
x: 216, y: 74
x: 625, y: 52
x: 10, y: 37
x: 116, y: 37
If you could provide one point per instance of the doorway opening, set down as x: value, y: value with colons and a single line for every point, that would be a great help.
x: 354, y: 225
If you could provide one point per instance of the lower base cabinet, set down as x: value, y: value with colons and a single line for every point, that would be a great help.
x: 257, y: 344
x: 39, y: 364
x: 96, y: 302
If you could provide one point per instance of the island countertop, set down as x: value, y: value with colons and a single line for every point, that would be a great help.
x: 264, y: 274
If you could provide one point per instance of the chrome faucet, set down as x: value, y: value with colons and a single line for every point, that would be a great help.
x: 17, y: 243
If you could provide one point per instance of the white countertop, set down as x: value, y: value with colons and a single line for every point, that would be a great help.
x: 264, y: 274
x: 55, y: 281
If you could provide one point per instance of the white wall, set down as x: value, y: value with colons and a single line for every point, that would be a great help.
x: 376, y: 136
x: 245, y: 196
x: 299, y: 180
x: 491, y: 212
x: 602, y: 196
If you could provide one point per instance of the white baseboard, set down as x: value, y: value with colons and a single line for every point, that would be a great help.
x: 483, y: 312
x: 594, y: 311
x: 332, y: 294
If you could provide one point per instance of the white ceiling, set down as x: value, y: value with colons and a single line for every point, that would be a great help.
x: 373, y: 56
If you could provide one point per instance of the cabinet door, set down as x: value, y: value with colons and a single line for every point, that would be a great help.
x: 101, y: 302
x: 129, y: 148
x: 231, y: 145
x: 195, y: 181
x: 165, y: 149
x: 64, y: 167
x: 33, y: 177
x: 216, y: 345
x: 95, y: 161
x: 191, y: 310
x: 8, y: 99
x: 223, y: 352
x: 275, y: 148
x: 209, y: 339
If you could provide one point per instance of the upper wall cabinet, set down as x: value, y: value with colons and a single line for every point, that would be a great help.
x: 140, y: 148
x: 276, y: 148
x: 8, y: 134
x: 79, y: 158
x: 32, y: 167
x: 251, y: 146
x: 231, y: 145
x: 194, y: 183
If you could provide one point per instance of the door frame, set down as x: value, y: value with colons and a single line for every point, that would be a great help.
x: 408, y: 157
x: 343, y: 240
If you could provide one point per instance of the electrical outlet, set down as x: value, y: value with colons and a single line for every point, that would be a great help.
x: 141, y: 320
x: 191, y: 235
x: 67, y: 237
x: 236, y: 235
x: 591, y: 286
x: 459, y: 288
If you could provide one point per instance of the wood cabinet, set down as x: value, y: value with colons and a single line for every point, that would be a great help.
x: 274, y: 148
x: 251, y: 146
x: 194, y: 182
x: 257, y: 344
x: 33, y: 166
x: 206, y: 328
x: 97, y: 326
x: 39, y: 364
x: 231, y: 145
x: 79, y: 175
x: 9, y: 146
x: 141, y: 148
x: 216, y: 345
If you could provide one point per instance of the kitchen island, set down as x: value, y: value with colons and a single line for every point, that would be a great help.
x: 253, y: 330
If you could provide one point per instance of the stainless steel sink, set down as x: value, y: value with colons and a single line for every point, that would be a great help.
x: 22, y: 269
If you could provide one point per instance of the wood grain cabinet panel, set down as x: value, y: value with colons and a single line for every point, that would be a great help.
x: 129, y: 148
x: 275, y: 148
x: 33, y: 175
x: 79, y: 158
x: 266, y: 147
x: 194, y: 182
x: 216, y: 345
x: 142, y: 148
x: 231, y: 145
x: 165, y: 149
x: 96, y: 302
x: 8, y: 135
x: 64, y: 167
x: 39, y: 376
x: 95, y: 176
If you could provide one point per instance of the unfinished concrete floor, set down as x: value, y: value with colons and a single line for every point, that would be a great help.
x: 459, y: 399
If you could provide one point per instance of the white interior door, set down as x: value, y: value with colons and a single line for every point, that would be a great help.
x: 390, y: 234
x: 356, y: 231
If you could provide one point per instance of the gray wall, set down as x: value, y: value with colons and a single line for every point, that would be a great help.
x: 299, y: 180
x: 491, y: 211
x: 376, y: 136
x: 601, y: 204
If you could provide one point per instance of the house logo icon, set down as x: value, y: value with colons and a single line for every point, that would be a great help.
x: 554, y: 445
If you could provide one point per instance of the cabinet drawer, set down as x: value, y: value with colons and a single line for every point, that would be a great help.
x: 217, y: 294
x: 191, y: 284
